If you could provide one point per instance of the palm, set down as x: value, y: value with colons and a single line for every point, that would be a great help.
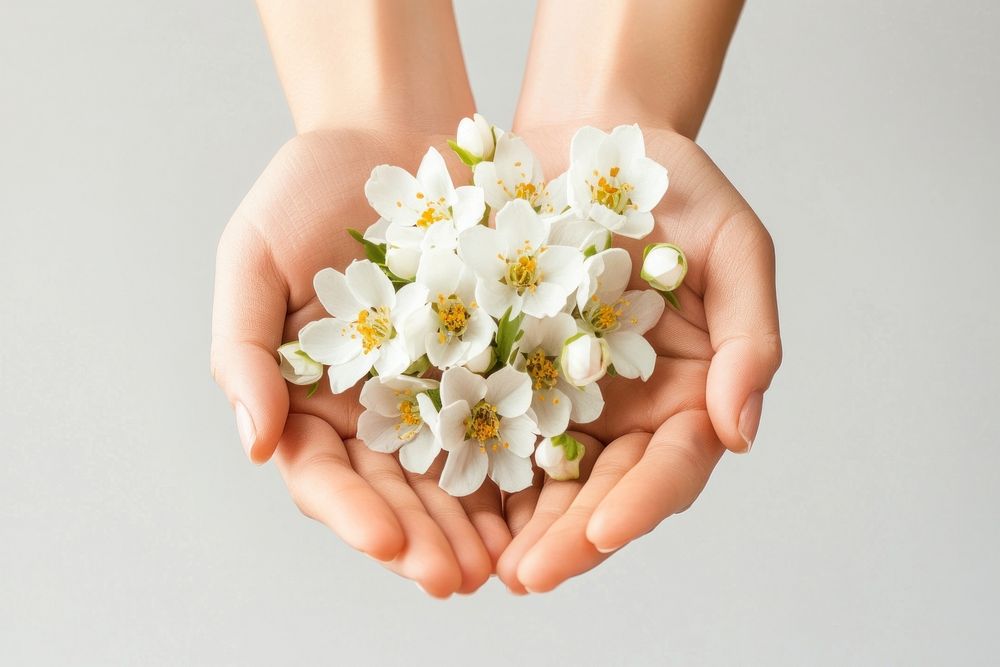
x: 292, y: 224
x: 660, y: 442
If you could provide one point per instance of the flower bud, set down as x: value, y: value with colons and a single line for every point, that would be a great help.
x: 663, y: 266
x: 483, y: 361
x: 584, y: 359
x: 560, y: 457
x: 475, y: 137
x: 298, y: 367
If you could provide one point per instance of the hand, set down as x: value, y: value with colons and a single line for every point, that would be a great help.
x: 292, y: 224
x: 716, y: 357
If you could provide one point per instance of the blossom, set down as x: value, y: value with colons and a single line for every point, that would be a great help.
x: 612, y: 182
x: 363, y: 330
x: 475, y: 137
x: 584, y: 359
x: 554, y: 400
x: 484, y: 426
x: 515, y: 173
x: 398, y: 416
x: 620, y: 317
x: 425, y: 199
x: 298, y: 367
x: 560, y: 457
x: 517, y: 269
x: 450, y: 327
x: 663, y: 266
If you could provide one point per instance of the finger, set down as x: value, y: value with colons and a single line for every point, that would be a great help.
x: 564, y: 550
x: 553, y: 500
x: 485, y: 510
x: 247, y: 320
x: 427, y: 557
x: 742, y: 314
x: 314, y: 464
x: 671, y: 473
x: 466, y: 544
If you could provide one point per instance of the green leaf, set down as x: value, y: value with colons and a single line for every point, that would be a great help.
x: 590, y: 251
x: 464, y: 155
x: 435, y: 396
x: 508, y: 334
x: 418, y: 366
x: 574, y: 448
x: 312, y: 389
x: 374, y: 252
x: 485, y: 220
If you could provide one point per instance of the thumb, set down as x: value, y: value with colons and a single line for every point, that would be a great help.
x: 742, y: 313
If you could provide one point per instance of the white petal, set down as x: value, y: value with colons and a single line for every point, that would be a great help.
x: 631, y: 354
x: 479, y: 333
x: 520, y: 434
x: 297, y: 366
x: 459, y: 384
x: 607, y: 218
x: 409, y: 299
x: 552, y: 409
x: 546, y: 300
x: 333, y: 292
x: 329, y: 341
x: 402, y: 261
x: 644, y: 310
x: 485, y: 176
x: 555, y: 202
x: 469, y: 207
x: 377, y: 396
x: 468, y: 137
x: 638, y: 224
x: 509, y: 390
x: 585, y: 142
x: 379, y: 433
x: 434, y: 179
x: 496, y: 297
x: 465, y: 469
x: 520, y: 227
x: 451, y: 425
x: 575, y: 232
x: 445, y: 354
x: 391, y: 191
x: 441, y: 234
x: 548, y: 333
x: 392, y: 357
x: 649, y: 178
x: 511, y: 472
x: 439, y: 272
x: 480, y: 247
x: 561, y: 265
x: 404, y: 237
x: 415, y: 329
x: 369, y: 285
x: 345, y: 376
x: 588, y: 403
x: 606, y: 276
x: 377, y: 230
x: 418, y: 454
x: 629, y: 142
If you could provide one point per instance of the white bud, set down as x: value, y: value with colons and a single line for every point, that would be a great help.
x: 664, y: 267
x: 552, y: 456
x: 483, y: 361
x: 585, y: 359
x: 298, y: 367
x: 475, y: 136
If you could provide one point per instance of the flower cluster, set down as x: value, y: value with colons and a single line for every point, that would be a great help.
x: 484, y: 315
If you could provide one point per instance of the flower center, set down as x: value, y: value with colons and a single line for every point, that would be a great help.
x: 526, y: 191
x: 604, y: 316
x: 374, y: 327
x: 434, y: 212
x: 542, y: 370
x: 410, y: 421
x: 482, y: 424
x: 610, y: 192
x: 453, y: 316
x: 522, y: 271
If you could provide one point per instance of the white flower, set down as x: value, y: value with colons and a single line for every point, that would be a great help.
x: 398, y: 416
x: 554, y: 401
x: 298, y: 367
x: 483, y: 361
x: 612, y: 182
x: 585, y: 359
x: 485, y: 429
x: 620, y: 317
x: 571, y: 230
x: 426, y: 199
x: 664, y: 266
x: 475, y: 137
x: 515, y: 173
x: 363, y: 330
x: 516, y: 268
x: 560, y: 457
x: 449, y: 327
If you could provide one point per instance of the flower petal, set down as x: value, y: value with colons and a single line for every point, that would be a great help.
x: 520, y: 227
x: 328, y: 341
x: 511, y: 472
x: 644, y: 310
x: 451, y: 425
x: 520, y: 434
x: 638, y: 224
x: 562, y: 266
x: 379, y: 433
x: 418, y: 454
x: 480, y: 247
x: 439, y: 272
x: 460, y: 384
x: 464, y: 470
x: 607, y: 218
x: 485, y: 176
x: 391, y: 191
x: 333, y: 292
x: 509, y: 390
x: 377, y: 230
x: 552, y: 409
x: 629, y: 143
x: 402, y: 261
x: 495, y: 298
x: 588, y: 402
x: 345, y: 376
x: 649, y: 180
x: 392, y: 357
x: 584, y: 144
x: 369, y: 285
x: 631, y: 354
x: 444, y: 354
x: 546, y: 300
x: 434, y: 179
x: 469, y: 207
x: 378, y: 397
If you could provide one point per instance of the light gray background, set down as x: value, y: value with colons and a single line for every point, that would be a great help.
x: 862, y: 530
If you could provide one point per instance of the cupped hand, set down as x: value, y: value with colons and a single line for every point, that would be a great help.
x: 653, y: 449
x: 292, y: 224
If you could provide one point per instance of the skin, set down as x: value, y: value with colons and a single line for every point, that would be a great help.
x: 721, y: 348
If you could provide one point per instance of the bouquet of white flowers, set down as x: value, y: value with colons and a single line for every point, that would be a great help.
x: 479, y: 338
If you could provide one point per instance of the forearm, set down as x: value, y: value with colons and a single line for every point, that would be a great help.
x: 655, y: 62
x: 378, y: 63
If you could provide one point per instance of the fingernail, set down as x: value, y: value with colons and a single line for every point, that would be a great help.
x: 750, y: 418
x: 608, y: 550
x: 244, y: 424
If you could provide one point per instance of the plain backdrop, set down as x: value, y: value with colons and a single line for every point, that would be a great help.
x: 863, y: 529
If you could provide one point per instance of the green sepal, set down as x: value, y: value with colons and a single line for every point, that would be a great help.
x: 465, y: 156
x: 373, y: 251
x: 574, y: 448
x: 418, y: 366
x: 611, y: 370
x: 435, y: 396
x: 508, y: 334
x: 670, y: 298
x: 590, y: 251
x: 313, y: 388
